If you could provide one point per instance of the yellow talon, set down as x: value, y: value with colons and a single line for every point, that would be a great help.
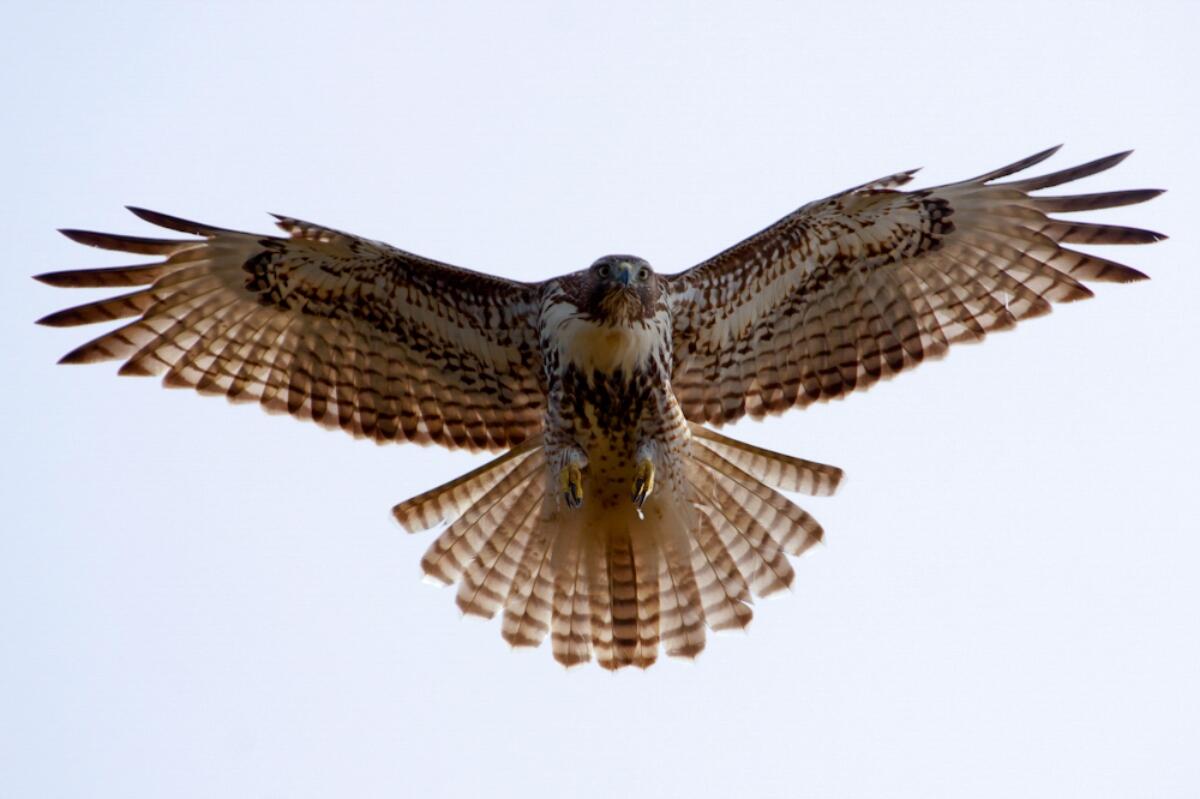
x: 571, y: 481
x: 643, y: 482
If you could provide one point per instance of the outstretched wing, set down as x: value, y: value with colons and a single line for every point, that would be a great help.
x: 324, y: 325
x: 872, y: 281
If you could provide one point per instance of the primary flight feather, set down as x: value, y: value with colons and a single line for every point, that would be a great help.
x: 615, y: 521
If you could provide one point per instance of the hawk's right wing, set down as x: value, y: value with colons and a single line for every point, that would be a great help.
x: 324, y: 325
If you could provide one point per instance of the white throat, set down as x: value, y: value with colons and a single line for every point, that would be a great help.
x: 595, y: 346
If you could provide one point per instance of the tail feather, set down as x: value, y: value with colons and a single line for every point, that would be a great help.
x: 773, y: 468
x: 792, y: 528
x: 649, y: 603
x: 759, y: 558
x: 451, y: 499
x: 570, y: 625
x: 455, y: 548
x: 485, y: 585
x: 609, y: 636
x: 682, y: 611
x: 723, y: 590
x: 633, y: 605
x: 527, y: 616
x: 614, y: 598
x: 605, y: 582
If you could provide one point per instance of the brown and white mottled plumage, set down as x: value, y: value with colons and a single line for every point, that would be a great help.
x: 616, y: 522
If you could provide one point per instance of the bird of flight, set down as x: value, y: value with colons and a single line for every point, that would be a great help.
x: 616, y: 520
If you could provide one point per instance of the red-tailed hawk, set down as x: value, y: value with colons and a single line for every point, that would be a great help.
x: 615, y: 520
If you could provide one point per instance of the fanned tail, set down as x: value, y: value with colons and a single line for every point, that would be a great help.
x: 605, y: 581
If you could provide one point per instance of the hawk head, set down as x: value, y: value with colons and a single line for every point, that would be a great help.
x: 620, y: 289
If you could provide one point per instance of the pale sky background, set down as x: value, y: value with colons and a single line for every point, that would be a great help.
x: 199, y: 600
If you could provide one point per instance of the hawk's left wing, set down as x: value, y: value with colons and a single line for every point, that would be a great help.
x: 870, y: 282
x: 342, y: 330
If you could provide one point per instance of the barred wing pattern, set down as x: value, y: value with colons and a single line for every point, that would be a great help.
x: 348, y: 332
x: 870, y: 282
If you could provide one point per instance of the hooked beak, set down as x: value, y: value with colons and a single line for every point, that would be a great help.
x: 624, y: 274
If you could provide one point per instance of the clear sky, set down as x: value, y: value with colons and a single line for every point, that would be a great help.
x: 199, y: 600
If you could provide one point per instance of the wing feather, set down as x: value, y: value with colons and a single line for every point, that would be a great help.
x: 870, y: 282
x: 349, y: 332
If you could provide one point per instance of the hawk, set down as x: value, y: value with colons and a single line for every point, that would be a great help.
x: 616, y: 519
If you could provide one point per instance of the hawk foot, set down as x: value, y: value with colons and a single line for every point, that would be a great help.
x: 570, y: 480
x: 643, y: 482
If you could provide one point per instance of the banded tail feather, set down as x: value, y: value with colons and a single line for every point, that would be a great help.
x: 610, y: 586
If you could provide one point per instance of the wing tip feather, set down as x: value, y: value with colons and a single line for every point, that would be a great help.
x: 61, y: 279
x: 61, y: 318
x: 1016, y: 166
x: 122, y: 243
x: 135, y: 369
x: 175, y: 223
x: 86, y: 353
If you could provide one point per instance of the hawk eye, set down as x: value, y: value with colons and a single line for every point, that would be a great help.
x: 643, y: 274
x: 604, y: 270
